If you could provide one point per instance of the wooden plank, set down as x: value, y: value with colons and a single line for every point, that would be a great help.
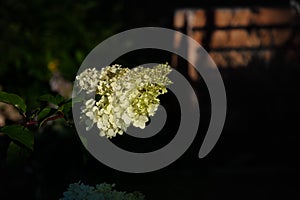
x: 232, y: 17
x: 244, y: 38
x: 235, y: 59
x: 269, y: 16
x: 179, y: 19
x: 234, y: 37
x: 236, y: 17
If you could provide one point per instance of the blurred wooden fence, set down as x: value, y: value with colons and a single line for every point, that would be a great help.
x: 234, y: 37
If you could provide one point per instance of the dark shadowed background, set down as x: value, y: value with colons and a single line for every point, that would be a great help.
x: 257, y: 153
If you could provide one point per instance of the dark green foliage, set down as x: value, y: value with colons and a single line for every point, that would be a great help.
x: 56, y: 100
x: 36, y: 33
x: 20, y: 134
x: 14, y: 100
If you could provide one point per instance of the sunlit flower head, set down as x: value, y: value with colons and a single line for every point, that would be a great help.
x: 124, y: 97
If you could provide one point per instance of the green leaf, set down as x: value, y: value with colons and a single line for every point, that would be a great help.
x: 14, y: 100
x: 20, y: 134
x: 57, y: 100
x: 46, y: 112
x: 66, y: 108
x: 16, y: 155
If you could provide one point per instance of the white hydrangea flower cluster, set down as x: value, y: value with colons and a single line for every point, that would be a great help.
x: 87, y: 80
x: 123, y: 96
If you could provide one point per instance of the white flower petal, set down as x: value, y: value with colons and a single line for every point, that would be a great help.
x: 126, y: 118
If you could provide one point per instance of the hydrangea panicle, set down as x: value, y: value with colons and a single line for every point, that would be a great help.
x: 125, y: 96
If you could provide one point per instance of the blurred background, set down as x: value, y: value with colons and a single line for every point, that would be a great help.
x: 256, y: 46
